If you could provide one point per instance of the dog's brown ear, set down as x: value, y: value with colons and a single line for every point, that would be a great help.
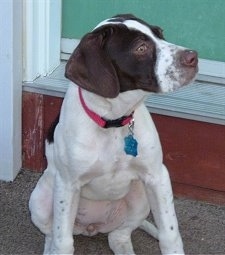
x: 90, y: 67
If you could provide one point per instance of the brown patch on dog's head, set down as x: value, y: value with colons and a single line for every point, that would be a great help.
x: 91, y: 68
x: 113, y: 59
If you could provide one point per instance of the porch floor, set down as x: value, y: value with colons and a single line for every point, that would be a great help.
x: 202, y: 225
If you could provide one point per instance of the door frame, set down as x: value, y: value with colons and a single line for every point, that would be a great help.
x: 30, y: 32
x: 10, y: 88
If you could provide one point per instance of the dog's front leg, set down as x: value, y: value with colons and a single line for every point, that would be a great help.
x: 66, y: 199
x: 160, y: 197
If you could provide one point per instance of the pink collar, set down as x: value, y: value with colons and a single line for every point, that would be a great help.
x: 101, y: 121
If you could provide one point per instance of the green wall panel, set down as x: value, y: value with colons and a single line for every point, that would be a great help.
x: 197, y: 24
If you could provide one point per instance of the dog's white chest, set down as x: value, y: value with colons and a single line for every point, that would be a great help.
x: 108, y: 177
x: 109, y: 186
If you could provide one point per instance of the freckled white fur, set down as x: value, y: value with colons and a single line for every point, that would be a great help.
x: 91, y: 185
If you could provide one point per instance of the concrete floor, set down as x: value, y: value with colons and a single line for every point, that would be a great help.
x: 202, y: 225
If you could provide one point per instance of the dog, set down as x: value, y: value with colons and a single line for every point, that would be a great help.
x: 105, y: 170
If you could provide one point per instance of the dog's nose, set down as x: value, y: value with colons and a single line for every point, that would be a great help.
x: 189, y: 58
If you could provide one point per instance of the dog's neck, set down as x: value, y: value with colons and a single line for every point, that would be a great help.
x: 113, y: 108
x: 102, y: 122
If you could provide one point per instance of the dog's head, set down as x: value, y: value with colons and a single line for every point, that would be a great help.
x: 125, y: 53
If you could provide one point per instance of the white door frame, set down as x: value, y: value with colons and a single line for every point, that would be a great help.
x: 10, y: 88
x: 30, y: 32
x: 41, y: 37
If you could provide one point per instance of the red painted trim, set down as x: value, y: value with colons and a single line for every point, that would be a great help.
x: 198, y: 193
x: 32, y: 131
x: 39, y: 111
x: 194, y: 151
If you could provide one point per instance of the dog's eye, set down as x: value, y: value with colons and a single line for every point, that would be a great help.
x: 141, y: 49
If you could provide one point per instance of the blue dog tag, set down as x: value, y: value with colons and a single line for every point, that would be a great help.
x: 130, y: 145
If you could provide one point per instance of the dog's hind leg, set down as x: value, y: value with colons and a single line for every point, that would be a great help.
x: 138, y: 210
x: 120, y: 241
x: 40, y: 205
x: 150, y: 229
x: 41, y: 200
